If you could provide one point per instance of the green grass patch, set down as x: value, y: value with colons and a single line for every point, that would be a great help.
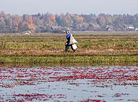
x: 50, y: 48
x: 70, y: 59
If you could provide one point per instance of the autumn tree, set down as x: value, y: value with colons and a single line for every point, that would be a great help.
x: 44, y: 22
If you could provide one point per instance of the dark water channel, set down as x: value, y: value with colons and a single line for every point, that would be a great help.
x: 66, y: 84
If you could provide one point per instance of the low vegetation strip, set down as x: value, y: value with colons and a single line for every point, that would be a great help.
x: 50, y: 48
x: 70, y: 59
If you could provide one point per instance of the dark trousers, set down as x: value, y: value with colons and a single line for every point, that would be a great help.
x: 67, y: 47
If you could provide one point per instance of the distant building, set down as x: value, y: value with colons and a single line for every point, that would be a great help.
x: 59, y: 29
x: 109, y: 28
x: 130, y: 28
x: 136, y: 29
x: 28, y: 32
x: 95, y: 27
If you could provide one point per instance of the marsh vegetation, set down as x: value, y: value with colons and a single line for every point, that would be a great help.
x: 92, y: 47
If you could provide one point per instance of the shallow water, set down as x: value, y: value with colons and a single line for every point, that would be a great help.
x: 91, y: 84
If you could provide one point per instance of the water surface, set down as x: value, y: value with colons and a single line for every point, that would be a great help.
x: 91, y: 84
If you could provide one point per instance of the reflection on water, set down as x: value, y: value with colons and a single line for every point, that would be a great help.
x: 91, y: 84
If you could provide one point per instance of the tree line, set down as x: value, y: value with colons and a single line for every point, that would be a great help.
x: 45, y: 22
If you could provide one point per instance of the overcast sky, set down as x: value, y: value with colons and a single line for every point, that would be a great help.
x: 71, y: 6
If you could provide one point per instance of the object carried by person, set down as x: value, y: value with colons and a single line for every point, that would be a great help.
x: 72, y: 40
x: 74, y: 46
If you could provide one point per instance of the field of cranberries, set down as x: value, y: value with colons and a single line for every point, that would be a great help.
x: 69, y: 84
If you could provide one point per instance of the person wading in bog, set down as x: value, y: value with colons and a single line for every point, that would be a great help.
x: 70, y: 42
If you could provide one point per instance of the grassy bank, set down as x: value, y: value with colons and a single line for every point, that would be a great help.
x: 49, y: 48
x: 70, y: 59
x: 54, y: 45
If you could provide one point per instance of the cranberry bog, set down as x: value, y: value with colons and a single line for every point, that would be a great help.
x: 66, y: 84
x: 69, y: 84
